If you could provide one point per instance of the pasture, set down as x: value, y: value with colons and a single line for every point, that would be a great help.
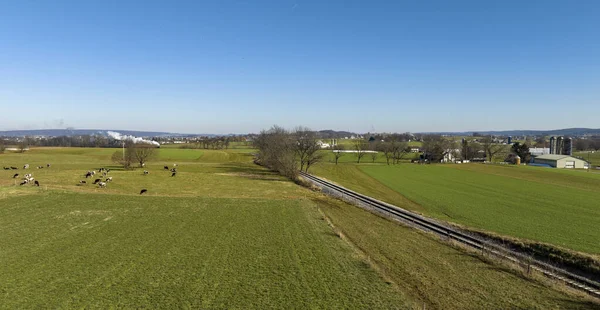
x: 222, y: 233
x: 558, y: 207
x: 593, y: 158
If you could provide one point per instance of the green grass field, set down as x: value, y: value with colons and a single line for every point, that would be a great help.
x: 594, y: 158
x: 553, y: 206
x: 223, y: 233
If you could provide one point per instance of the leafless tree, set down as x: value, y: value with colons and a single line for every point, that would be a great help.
x: 340, y: 152
x: 307, y: 148
x: 2, y: 146
x: 360, y: 146
x: 142, y: 152
x: 374, y: 154
x: 435, y: 147
x: 399, y: 149
x: 387, y: 150
x: 123, y: 157
x: 277, y: 151
x: 23, y: 145
x: 491, y: 148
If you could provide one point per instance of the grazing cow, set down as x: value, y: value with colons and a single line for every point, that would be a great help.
x: 26, y: 166
x: 88, y: 175
x: 166, y: 167
x: 174, y: 170
x: 93, y: 172
x: 82, y: 182
x: 14, y: 168
x: 173, y: 174
x: 145, y: 171
x: 143, y: 191
x: 96, y: 181
x: 101, y: 184
x: 48, y: 165
x: 6, y: 168
x: 15, y: 176
x: 109, y: 179
x: 28, y: 175
x: 37, y: 183
x: 23, y: 183
x: 40, y: 167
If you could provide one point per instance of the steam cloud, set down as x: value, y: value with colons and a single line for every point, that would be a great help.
x: 120, y: 137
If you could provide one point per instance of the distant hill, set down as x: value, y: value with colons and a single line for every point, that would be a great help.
x: 574, y: 132
x: 79, y: 132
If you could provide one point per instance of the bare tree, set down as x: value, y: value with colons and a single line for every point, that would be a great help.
x: 307, y: 148
x: 374, y: 154
x: 143, y: 152
x: 435, y: 147
x: 490, y: 148
x: 387, y: 150
x: 123, y: 157
x: 360, y: 146
x: 338, y: 151
x: 399, y: 149
x: 2, y: 146
x: 23, y: 145
x: 277, y: 151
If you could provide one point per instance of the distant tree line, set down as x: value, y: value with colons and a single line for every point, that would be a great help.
x: 65, y: 141
x: 589, y: 144
x: 215, y: 143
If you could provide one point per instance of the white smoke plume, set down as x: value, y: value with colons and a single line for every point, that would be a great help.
x: 120, y: 137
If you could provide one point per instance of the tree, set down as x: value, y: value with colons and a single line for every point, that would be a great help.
x: 522, y: 150
x: 142, y: 152
x: 374, y: 154
x: 490, y: 148
x: 277, y: 151
x: 541, y: 142
x: 123, y: 158
x: 399, y: 149
x: 2, y: 146
x: 595, y: 143
x: 435, y: 147
x: 387, y: 150
x: 338, y: 151
x: 23, y: 146
x: 360, y: 146
x: 307, y: 149
x: 581, y: 144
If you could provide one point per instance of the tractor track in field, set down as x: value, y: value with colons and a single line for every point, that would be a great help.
x: 447, y: 232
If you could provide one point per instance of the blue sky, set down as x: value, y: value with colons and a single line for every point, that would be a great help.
x: 241, y: 66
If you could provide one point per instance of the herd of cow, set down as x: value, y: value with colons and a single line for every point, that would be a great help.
x: 101, y: 182
x: 28, y: 177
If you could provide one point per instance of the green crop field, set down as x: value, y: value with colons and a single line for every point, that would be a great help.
x: 553, y: 206
x: 223, y: 233
x: 593, y: 158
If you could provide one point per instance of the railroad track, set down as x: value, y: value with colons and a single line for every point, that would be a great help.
x: 578, y: 282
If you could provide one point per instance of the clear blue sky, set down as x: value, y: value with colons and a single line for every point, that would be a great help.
x: 241, y: 66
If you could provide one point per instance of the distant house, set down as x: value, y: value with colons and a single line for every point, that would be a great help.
x: 561, y: 161
x: 323, y: 145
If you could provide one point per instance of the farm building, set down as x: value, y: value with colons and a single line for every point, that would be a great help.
x: 561, y: 161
